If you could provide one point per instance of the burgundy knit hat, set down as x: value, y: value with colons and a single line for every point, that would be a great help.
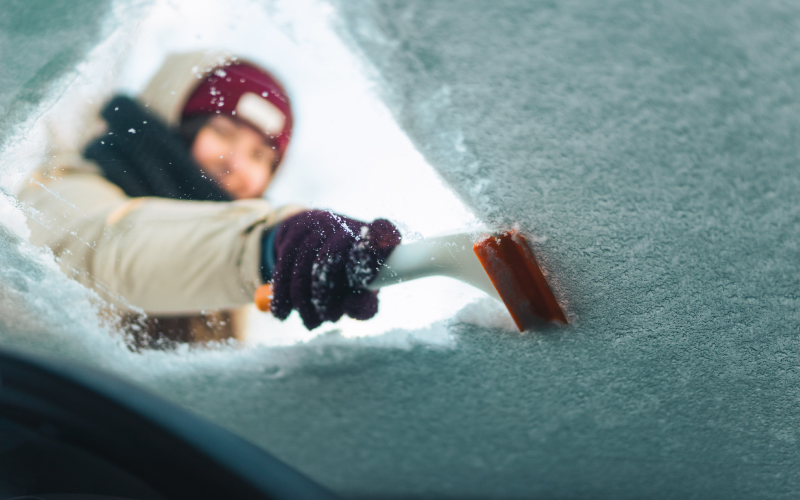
x: 246, y: 92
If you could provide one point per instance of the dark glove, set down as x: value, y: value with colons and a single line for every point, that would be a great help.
x: 323, y: 264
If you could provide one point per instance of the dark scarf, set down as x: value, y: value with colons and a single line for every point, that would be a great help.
x: 145, y: 157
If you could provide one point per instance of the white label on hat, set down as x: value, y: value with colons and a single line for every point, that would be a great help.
x: 261, y: 112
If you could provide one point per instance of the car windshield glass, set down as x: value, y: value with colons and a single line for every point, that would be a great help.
x: 645, y: 154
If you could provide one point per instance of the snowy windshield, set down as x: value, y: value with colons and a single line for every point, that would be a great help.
x: 648, y: 151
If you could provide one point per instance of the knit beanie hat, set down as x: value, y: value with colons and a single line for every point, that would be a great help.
x: 248, y: 93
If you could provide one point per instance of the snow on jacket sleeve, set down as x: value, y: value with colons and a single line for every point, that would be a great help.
x: 159, y: 255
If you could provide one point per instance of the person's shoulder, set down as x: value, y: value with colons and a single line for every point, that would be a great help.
x: 62, y: 170
x: 74, y: 164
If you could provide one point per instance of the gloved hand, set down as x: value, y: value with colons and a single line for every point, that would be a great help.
x: 324, y: 262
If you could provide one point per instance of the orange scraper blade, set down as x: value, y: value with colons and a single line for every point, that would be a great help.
x: 519, y: 281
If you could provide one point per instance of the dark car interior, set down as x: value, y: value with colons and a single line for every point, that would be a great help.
x: 71, y: 433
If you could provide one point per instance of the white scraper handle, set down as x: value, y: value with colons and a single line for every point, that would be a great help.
x: 450, y: 255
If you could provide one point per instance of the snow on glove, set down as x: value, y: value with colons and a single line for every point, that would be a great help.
x: 324, y: 262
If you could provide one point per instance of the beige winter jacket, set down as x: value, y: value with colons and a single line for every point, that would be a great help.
x: 165, y: 257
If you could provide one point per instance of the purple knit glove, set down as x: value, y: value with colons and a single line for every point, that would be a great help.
x: 324, y: 262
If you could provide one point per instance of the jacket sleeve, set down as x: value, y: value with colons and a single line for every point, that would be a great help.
x: 162, y: 256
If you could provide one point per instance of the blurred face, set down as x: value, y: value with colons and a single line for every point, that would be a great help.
x: 235, y: 155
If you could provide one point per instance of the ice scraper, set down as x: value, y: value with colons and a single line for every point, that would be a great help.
x: 502, y: 266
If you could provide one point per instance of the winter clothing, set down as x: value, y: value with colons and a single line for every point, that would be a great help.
x: 145, y: 157
x: 324, y: 262
x: 137, y: 220
x: 167, y: 257
x: 268, y: 257
x: 243, y: 91
x: 207, y: 254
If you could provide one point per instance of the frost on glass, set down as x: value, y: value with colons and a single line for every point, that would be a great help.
x: 649, y: 150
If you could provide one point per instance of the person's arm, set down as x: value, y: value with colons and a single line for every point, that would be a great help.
x: 163, y: 256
